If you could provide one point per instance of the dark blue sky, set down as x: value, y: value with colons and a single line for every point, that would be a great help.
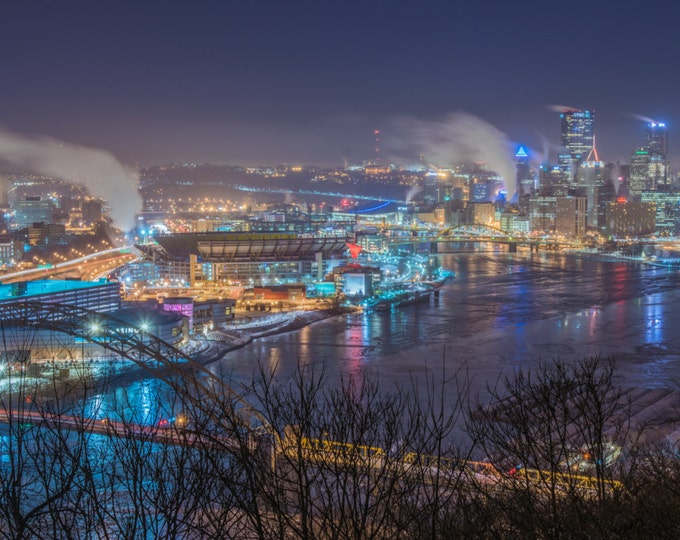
x: 307, y: 81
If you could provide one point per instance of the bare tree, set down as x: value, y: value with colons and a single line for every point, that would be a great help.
x: 554, y: 436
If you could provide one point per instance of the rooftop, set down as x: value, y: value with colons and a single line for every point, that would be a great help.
x: 46, y: 286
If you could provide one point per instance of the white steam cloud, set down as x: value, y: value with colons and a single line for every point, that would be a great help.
x: 561, y: 108
x: 646, y: 119
x: 412, y: 193
x: 462, y: 137
x: 98, y: 170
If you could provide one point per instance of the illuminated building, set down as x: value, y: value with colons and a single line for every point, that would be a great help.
x: 246, y: 258
x: 656, y: 140
x: 589, y: 177
x: 605, y: 194
x: 570, y: 216
x: 6, y: 249
x: 480, y: 192
x: 576, y: 137
x: 515, y: 223
x: 101, y: 297
x: 639, y: 165
x: 543, y: 214
x: 481, y: 213
x: 649, y: 166
x: 290, y: 292
x: 667, y: 219
x: 376, y: 169
x: 629, y: 219
x: 525, y: 178
x: 201, y: 313
x: 183, y: 306
x: 32, y: 210
x: 648, y: 172
x: 554, y: 180
x: 357, y: 280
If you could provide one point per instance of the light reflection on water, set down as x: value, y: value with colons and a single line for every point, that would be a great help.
x: 500, y: 311
x: 143, y: 402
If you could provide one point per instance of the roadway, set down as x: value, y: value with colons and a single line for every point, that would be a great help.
x: 87, y: 268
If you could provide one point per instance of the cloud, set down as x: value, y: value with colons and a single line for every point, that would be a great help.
x: 96, y: 169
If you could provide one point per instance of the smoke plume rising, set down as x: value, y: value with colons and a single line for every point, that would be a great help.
x: 461, y: 137
x: 98, y: 170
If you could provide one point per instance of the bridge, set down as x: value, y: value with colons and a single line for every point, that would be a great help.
x: 320, y: 452
x: 324, y: 452
x: 182, y: 373
x: 171, y: 433
x: 476, y: 234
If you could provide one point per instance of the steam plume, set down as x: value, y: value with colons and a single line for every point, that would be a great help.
x: 98, y: 170
x: 461, y: 137
x: 412, y: 193
x: 561, y: 108
x: 646, y: 119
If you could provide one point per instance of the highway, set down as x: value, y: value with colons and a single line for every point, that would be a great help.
x: 88, y: 267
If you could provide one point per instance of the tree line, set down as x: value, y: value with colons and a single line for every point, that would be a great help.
x: 550, y: 453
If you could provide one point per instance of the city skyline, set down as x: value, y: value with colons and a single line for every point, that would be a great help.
x: 308, y: 82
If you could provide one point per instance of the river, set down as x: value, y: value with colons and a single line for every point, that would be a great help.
x: 502, y: 311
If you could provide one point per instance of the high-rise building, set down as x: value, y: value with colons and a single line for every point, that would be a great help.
x: 626, y: 218
x: 649, y: 165
x: 570, y: 216
x: 525, y: 178
x: 656, y: 139
x: 543, y: 214
x: 553, y: 180
x: 590, y: 175
x: 639, y: 165
x: 606, y: 194
x: 577, y: 137
x: 667, y: 211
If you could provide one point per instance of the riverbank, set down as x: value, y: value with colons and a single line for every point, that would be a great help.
x: 220, y: 342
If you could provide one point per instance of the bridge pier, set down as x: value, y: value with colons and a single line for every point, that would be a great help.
x: 512, y: 247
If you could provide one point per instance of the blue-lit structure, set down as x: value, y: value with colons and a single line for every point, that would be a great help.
x: 525, y: 178
x: 22, y: 339
x: 101, y: 296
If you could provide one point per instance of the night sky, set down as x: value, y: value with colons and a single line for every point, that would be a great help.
x: 266, y: 82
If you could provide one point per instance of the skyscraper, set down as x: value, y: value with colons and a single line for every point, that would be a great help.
x: 577, y: 137
x: 525, y: 178
x: 657, y: 139
x: 649, y: 166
